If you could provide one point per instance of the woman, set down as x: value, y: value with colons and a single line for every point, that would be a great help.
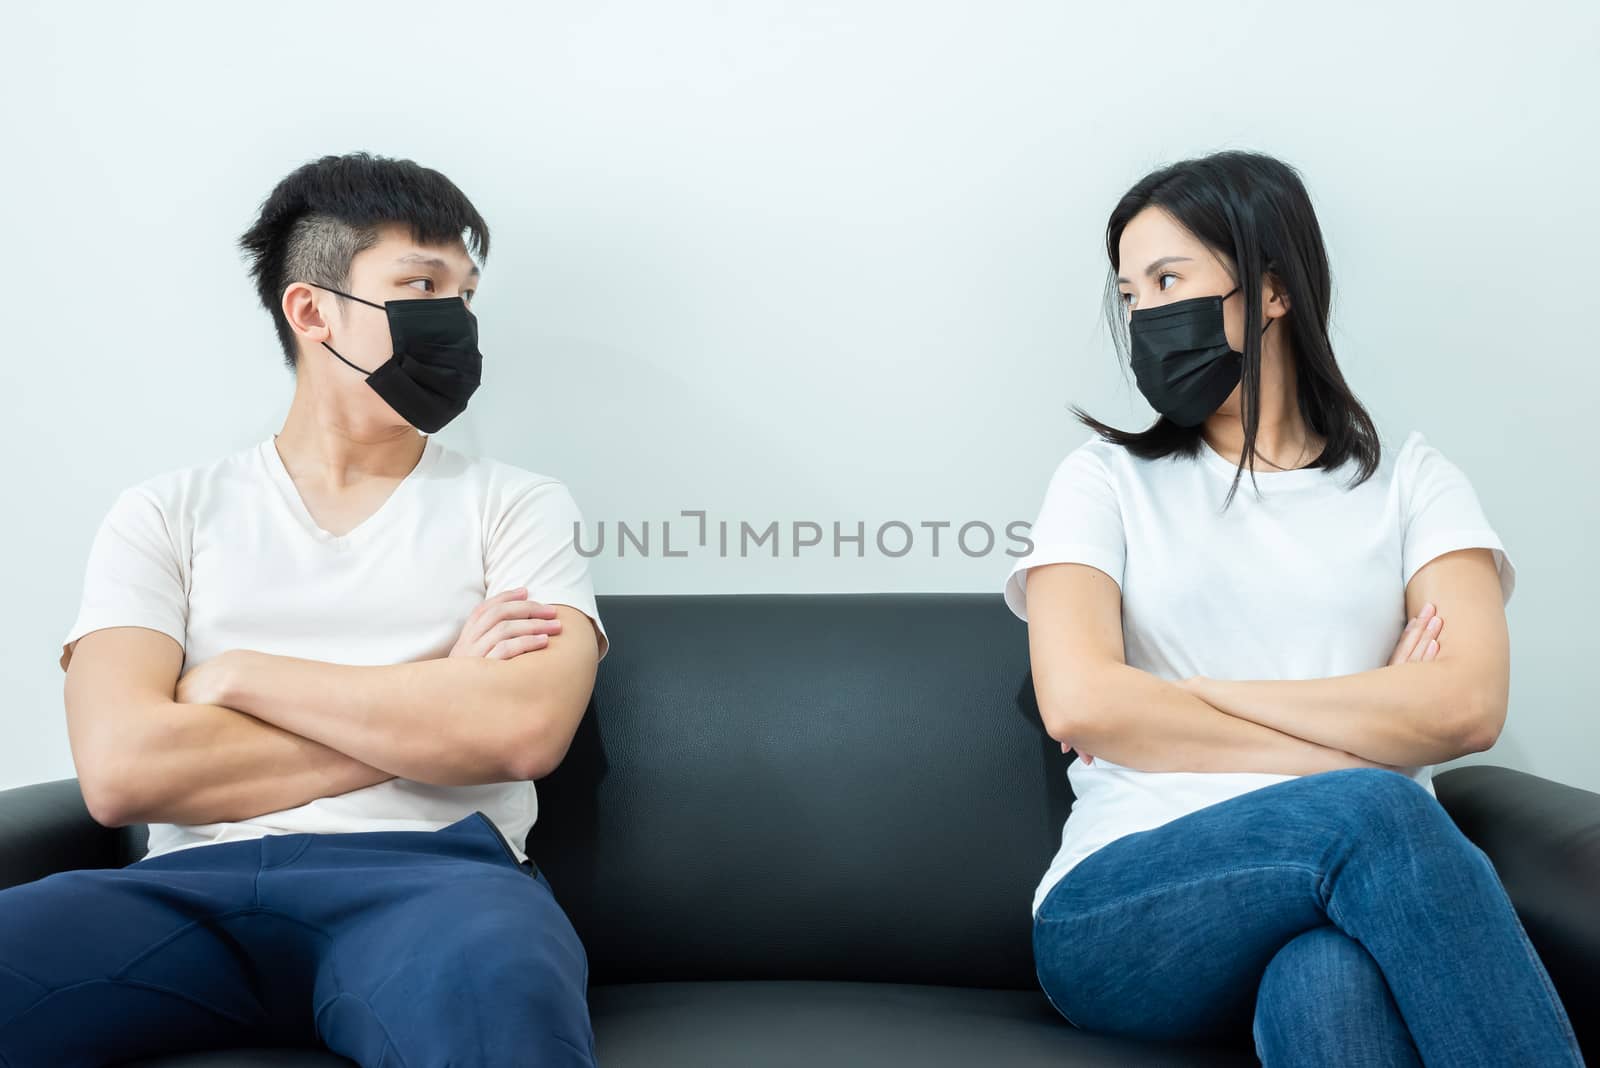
x: 1255, y: 841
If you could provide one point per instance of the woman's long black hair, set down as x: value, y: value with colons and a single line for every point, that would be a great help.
x: 1253, y: 211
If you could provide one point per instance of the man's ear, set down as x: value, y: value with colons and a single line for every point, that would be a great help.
x: 305, y: 318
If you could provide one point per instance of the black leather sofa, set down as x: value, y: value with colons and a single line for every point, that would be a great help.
x: 805, y: 830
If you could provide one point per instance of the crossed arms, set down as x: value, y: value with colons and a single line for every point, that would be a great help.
x: 247, y: 732
x: 1412, y: 711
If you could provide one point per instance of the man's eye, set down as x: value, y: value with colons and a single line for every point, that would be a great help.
x: 428, y: 282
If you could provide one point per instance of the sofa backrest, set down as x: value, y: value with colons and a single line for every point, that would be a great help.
x: 806, y: 786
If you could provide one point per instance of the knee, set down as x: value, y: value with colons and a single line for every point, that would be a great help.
x: 1387, y: 808
x: 1310, y: 991
x: 533, y: 962
x: 523, y: 956
x: 1377, y: 789
x: 1322, y: 960
x: 525, y: 978
x: 16, y: 994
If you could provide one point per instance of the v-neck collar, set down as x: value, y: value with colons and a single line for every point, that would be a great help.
x: 279, y: 474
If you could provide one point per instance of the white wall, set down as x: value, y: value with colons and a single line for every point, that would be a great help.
x: 787, y: 261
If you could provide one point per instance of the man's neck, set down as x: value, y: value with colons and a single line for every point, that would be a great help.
x: 333, y: 457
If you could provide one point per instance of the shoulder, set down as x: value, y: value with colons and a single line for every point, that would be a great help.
x: 1088, y: 485
x: 1095, y: 460
x: 504, y: 486
x: 487, y: 471
x: 1419, y: 465
x: 1411, y: 449
x: 180, y: 491
x: 1417, y: 452
x: 1103, y: 466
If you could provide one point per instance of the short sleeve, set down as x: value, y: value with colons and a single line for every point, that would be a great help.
x: 1442, y: 514
x: 135, y: 576
x: 1080, y: 522
x: 533, y: 543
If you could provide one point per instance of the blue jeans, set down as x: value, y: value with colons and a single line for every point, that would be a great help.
x: 389, y: 947
x: 1341, y: 917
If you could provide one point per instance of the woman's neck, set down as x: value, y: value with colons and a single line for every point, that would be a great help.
x: 1282, y: 447
x: 1283, y: 439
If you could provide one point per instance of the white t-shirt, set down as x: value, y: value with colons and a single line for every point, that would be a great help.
x: 226, y: 556
x: 1305, y: 581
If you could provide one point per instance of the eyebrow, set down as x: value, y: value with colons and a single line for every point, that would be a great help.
x: 433, y: 261
x: 1151, y: 270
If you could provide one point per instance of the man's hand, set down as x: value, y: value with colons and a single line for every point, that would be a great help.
x: 208, y: 682
x: 507, y: 625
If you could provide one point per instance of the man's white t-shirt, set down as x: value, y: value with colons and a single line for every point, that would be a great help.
x: 1305, y: 581
x: 226, y: 556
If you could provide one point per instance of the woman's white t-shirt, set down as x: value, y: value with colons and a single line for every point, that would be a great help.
x: 226, y: 556
x: 1305, y: 580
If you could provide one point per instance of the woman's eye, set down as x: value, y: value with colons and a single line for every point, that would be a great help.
x: 1163, y: 280
x: 428, y: 282
x: 1127, y: 300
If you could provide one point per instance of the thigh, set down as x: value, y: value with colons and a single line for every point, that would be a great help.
x: 1165, y: 933
x: 103, y: 964
x: 438, y: 947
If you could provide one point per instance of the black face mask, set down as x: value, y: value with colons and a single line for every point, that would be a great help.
x: 436, y: 364
x: 1181, y: 357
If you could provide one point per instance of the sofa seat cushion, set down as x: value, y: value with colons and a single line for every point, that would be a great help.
x: 744, y: 1024
x: 804, y: 1024
x: 247, y: 1058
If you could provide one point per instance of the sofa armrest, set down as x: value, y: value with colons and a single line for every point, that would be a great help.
x: 46, y: 828
x: 1544, y: 840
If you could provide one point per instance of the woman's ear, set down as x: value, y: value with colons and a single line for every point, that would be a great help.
x: 1275, y: 296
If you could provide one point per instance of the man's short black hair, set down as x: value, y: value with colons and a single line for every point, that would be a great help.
x: 312, y: 225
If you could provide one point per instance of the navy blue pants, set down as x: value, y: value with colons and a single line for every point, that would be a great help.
x: 393, y: 948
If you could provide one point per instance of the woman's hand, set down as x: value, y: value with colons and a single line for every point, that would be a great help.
x: 506, y: 626
x: 1419, y: 641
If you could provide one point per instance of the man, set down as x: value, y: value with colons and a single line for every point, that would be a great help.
x: 325, y: 670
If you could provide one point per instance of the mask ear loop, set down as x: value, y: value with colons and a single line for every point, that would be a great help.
x: 342, y: 293
x: 331, y: 349
x: 1225, y: 296
x: 353, y: 297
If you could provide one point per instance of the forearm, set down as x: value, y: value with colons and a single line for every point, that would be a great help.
x: 1411, y: 713
x: 448, y: 722
x: 1138, y: 720
x: 192, y: 763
